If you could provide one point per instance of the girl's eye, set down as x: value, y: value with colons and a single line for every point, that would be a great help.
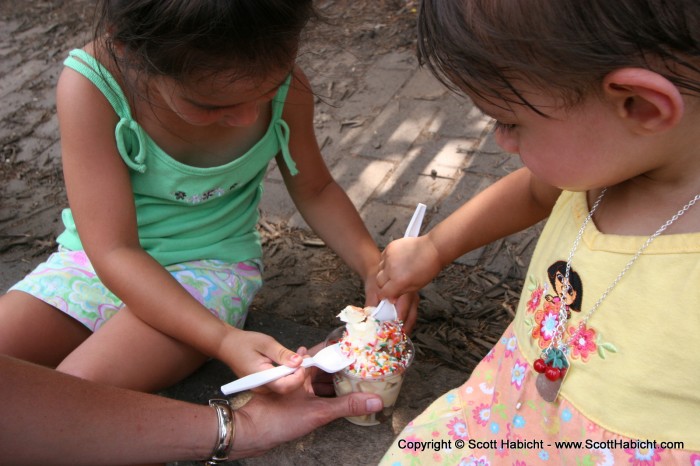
x: 206, y: 108
x: 215, y: 109
x: 504, y: 127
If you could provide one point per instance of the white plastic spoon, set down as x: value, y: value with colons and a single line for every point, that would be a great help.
x: 330, y: 359
x: 386, y: 310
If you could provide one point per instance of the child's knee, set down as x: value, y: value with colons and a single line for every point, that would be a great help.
x: 35, y: 331
x: 86, y: 371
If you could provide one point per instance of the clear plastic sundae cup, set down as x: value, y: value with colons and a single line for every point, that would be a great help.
x: 387, y: 386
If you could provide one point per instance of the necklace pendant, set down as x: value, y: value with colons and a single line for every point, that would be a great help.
x: 548, y: 386
x: 548, y: 390
x: 553, y: 365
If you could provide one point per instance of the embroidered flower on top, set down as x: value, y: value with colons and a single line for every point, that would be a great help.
x: 546, y: 321
x: 582, y: 342
x: 535, y: 299
x: 198, y: 198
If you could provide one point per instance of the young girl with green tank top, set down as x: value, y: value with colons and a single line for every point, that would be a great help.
x: 169, y: 119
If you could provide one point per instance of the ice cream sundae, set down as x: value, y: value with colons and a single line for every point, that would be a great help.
x: 382, y: 352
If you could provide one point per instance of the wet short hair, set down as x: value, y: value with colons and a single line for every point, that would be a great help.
x: 488, y: 48
x: 185, y: 38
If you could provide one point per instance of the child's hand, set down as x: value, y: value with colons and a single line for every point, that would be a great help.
x: 407, y: 308
x: 248, y: 352
x: 406, y: 305
x: 407, y: 265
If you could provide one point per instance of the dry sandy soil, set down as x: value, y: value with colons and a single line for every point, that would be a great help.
x: 305, y: 282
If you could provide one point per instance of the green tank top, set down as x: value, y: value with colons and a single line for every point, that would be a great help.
x: 187, y: 213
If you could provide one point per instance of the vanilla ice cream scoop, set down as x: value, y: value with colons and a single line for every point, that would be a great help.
x: 362, y: 328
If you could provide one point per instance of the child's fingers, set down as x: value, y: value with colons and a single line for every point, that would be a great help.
x: 407, y: 306
x: 392, y: 290
x: 382, y: 263
x: 292, y: 382
x: 289, y: 383
x: 270, y: 348
x: 382, y: 278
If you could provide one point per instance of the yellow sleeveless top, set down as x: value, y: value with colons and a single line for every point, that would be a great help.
x: 635, y: 368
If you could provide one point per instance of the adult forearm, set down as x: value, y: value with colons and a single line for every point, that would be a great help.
x: 53, y: 418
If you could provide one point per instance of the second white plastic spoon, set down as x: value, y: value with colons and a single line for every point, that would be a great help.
x: 385, y: 310
x: 330, y: 359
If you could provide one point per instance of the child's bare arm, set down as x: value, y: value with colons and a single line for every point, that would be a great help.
x: 324, y: 204
x: 101, y: 200
x: 513, y: 203
x: 320, y: 200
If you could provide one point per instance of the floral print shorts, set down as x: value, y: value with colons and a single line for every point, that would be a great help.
x: 498, y: 418
x: 68, y: 282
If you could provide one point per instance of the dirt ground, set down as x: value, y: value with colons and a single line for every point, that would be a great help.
x: 305, y: 282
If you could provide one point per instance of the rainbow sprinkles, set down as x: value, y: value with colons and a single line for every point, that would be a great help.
x: 379, y: 348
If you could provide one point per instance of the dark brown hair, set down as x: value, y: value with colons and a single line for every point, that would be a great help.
x: 489, y: 48
x: 185, y: 38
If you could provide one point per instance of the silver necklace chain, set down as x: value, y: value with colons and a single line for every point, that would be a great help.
x: 557, y: 339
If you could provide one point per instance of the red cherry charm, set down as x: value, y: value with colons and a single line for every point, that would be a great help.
x: 562, y: 372
x: 539, y: 365
x: 552, y: 373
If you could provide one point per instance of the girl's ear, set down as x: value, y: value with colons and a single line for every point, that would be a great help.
x: 646, y: 100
